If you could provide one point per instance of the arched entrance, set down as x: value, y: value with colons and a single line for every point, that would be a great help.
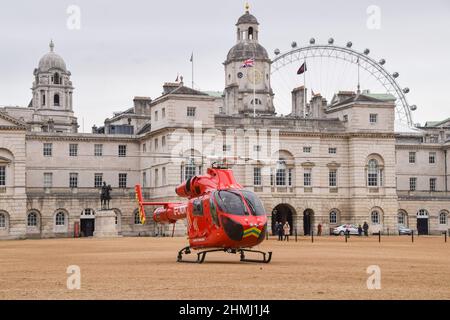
x: 282, y: 213
x: 422, y: 222
x: 87, y: 223
x: 308, y: 221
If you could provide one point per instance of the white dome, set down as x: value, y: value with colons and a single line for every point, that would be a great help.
x: 51, y: 60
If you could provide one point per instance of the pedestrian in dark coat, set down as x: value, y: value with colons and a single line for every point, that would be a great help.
x: 366, y: 229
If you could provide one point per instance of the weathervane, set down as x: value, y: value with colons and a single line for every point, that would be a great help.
x: 247, y: 7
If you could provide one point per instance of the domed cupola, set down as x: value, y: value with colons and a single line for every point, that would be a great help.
x: 247, y: 71
x: 52, y: 94
x: 51, y: 61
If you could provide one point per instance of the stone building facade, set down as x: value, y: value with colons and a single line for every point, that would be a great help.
x: 328, y: 163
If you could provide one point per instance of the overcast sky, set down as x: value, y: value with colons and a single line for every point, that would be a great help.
x: 130, y: 48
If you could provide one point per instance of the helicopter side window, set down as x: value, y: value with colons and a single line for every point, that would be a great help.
x: 212, y: 208
x: 230, y: 202
x: 197, y: 207
x: 254, y: 203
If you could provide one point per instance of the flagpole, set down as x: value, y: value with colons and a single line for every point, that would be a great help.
x: 359, y: 84
x: 304, y: 89
x: 254, y: 82
x: 192, y: 62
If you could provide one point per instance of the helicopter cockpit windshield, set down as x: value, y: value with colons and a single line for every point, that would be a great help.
x: 234, y: 202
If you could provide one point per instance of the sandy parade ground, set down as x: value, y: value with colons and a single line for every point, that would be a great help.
x: 146, y: 268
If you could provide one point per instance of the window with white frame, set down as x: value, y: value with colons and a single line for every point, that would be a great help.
x: 432, y: 184
x: 144, y: 147
x: 163, y: 113
x: 60, y: 219
x: 412, y: 183
x: 189, y: 169
x: 375, y: 217
x: 98, y: 150
x: 432, y: 157
x: 401, y: 218
x: 48, y: 179
x: 47, y: 149
x: 422, y: 213
x: 306, y: 149
x: 257, y: 176
x: 373, y: 118
x: 190, y: 111
x: 122, y: 150
x: 32, y: 219
x: 412, y: 157
x: 307, y: 177
x: 73, y: 180
x: 332, y: 150
x: 280, y: 175
x: 226, y: 147
x: 443, y: 218
x: 156, y: 144
x: 373, y: 173
x: 2, y: 220
x: 332, y: 178
x: 163, y: 141
x: 122, y: 180
x: 98, y: 180
x: 333, y: 217
x: 2, y: 176
x: 156, y: 115
x: 73, y: 150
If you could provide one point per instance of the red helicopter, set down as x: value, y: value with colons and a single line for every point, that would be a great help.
x: 221, y: 215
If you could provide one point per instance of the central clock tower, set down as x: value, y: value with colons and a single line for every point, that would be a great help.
x: 247, y: 89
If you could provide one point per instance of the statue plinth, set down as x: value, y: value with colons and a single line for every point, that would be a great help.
x: 105, y: 224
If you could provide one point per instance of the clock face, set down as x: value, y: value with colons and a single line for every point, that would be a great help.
x: 240, y: 75
x: 254, y: 76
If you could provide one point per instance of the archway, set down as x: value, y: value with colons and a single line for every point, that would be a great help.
x: 282, y: 213
x: 308, y: 221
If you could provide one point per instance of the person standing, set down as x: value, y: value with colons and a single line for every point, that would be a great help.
x: 280, y: 231
x: 360, y: 230
x: 319, y: 230
x: 366, y: 229
x: 287, y: 230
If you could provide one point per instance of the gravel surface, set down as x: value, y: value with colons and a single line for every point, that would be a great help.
x: 145, y: 268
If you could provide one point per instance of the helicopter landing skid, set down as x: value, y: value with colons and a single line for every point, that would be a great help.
x: 201, y: 255
x: 264, y: 259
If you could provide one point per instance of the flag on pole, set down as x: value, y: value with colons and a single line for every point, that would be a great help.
x: 192, y: 57
x: 176, y: 80
x: 248, y: 63
x: 312, y: 93
x: 302, y: 69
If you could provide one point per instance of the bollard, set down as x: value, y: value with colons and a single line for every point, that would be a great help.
x: 412, y: 236
x: 345, y: 235
x: 312, y: 236
x: 388, y: 231
x: 379, y: 236
x: 445, y: 236
x: 267, y: 234
x: 295, y: 235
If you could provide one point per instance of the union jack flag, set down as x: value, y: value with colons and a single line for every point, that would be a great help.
x: 248, y: 63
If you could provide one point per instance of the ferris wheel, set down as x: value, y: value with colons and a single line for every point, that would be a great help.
x: 332, y: 68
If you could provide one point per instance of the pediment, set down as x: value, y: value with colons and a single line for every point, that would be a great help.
x: 9, y: 122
